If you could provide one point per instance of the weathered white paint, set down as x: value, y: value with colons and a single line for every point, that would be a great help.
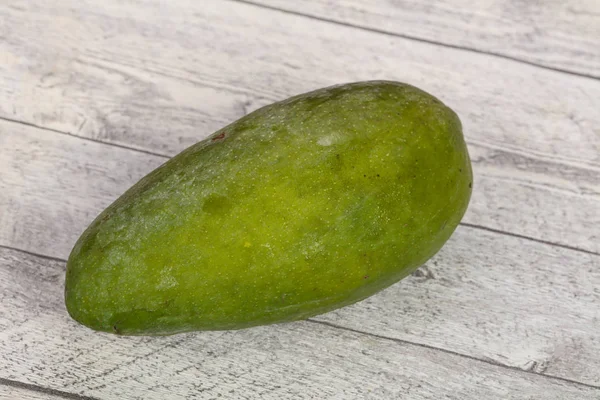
x: 477, y: 306
x: 515, y: 302
x: 511, y: 192
x: 41, y: 345
x: 21, y: 393
x: 150, y: 75
x: 52, y: 186
x: 158, y: 76
x: 128, y: 70
x: 556, y: 34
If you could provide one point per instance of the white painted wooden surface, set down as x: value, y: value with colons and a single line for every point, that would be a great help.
x: 93, y: 97
x: 533, y: 132
x: 27, y: 392
x: 89, y: 182
x: 304, y: 360
x: 555, y: 34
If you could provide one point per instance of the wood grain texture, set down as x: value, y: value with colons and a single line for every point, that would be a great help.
x: 527, y: 128
x: 557, y: 34
x: 518, y: 303
x: 495, y: 297
x: 54, y: 185
x: 492, y: 316
x: 21, y: 392
x: 146, y: 67
x: 302, y: 360
x: 10, y: 393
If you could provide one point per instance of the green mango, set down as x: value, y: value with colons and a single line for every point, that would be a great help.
x: 296, y: 209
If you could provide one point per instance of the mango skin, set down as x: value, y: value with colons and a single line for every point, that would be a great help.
x: 299, y: 208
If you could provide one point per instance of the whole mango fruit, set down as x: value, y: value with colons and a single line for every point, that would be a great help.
x: 296, y: 209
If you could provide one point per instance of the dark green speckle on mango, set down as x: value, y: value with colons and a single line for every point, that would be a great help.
x: 299, y: 208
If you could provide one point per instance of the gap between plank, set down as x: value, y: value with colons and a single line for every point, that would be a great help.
x: 474, y: 226
x: 122, y: 146
x: 33, y: 254
x: 332, y: 325
x: 418, y: 39
x: 517, y: 235
x: 45, y: 390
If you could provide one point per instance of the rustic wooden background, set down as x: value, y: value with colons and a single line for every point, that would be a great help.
x: 94, y: 94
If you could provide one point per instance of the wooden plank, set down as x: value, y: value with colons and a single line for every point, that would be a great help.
x: 41, y: 345
x: 514, y: 301
x: 516, y: 193
x: 561, y: 35
x: 148, y: 74
x: 52, y: 186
